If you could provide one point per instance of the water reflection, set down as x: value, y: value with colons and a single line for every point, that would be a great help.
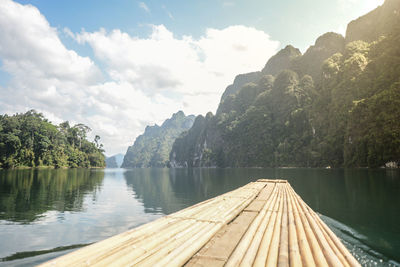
x: 25, y: 195
x: 366, y: 200
x: 170, y: 190
x: 43, y: 211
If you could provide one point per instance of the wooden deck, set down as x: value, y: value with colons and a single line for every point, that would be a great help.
x: 264, y: 223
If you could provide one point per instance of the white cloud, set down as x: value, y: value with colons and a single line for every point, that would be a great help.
x: 42, y: 53
x: 44, y: 74
x: 162, y: 63
x: 150, y: 78
x: 143, y: 6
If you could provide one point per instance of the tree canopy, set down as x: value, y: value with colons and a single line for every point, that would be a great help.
x: 335, y: 105
x: 30, y: 140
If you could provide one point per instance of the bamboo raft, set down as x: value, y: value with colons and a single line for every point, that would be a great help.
x: 264, y: 223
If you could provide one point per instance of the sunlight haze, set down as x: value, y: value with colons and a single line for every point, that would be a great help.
x: 119, y: 67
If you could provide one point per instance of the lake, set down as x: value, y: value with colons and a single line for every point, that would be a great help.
x: 47, y: 213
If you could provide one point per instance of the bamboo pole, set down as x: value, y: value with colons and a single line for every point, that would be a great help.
x: 262, y: 253
x: 204, y: 205
x: 162, y: 248
x: 182, y: 254
x: 319, y: 257
x: 104, y: 246
x: 330, y: 256
x: 126, y: 247
x: 252, y: 250
x: 343, y: 250
x: 294, y: 250
x: 272, y: 258
x: 205, y: 213
x: 234, y: 212
x: 146, y: 247
x: 155, y: 258
x: 198, y: 208
x: 330, y: 242
x: 304, y: 246
x: 241, y: 248
x: 283, y: 258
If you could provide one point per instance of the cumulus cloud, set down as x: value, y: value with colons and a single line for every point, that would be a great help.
x: 44, y: 74
x: 163, y: 63
x: 29, y: 45
x: 146, y: 79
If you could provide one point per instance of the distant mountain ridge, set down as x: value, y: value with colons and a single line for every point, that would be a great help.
x: 335, y: 105
x: 152, y: 148
x: 114, y: 161
x: 111, y: 163
x: 119, y: 158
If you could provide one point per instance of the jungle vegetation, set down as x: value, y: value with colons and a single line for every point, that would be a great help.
x: 338, y: 104
x: 30, y: 140
x: 152, y: 148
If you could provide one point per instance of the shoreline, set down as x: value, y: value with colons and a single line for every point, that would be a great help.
x: 47, y: 167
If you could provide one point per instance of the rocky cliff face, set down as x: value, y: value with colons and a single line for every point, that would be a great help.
x: 152, y: 148
x: 282, y: 60
x: 111, y: 162
x: 311, y: 62
x: 305, y: 110
x: 238, y: 83
x: 114, y: 161
x: 189, y: 151
x: 381, y: 21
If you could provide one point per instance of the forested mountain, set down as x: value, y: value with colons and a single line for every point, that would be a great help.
x: 30, y: 140
x: 338, y: 104
x: 111, y: 162
x: 152, y: 148
x: 114, y: 161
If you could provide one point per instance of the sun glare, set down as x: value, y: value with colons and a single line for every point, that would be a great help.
x: 369, y: 5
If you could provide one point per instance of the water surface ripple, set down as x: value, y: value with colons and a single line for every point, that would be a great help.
x: 47, y: 213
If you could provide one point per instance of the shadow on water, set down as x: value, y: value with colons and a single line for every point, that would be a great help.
x: 27, y: 194
x: 27, y: 254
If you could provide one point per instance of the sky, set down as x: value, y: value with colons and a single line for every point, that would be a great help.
x: 118, y: 66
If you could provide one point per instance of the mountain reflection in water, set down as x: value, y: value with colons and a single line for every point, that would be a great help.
x: 46, y: 213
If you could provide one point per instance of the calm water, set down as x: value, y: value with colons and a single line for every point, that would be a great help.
x: 47, y: 213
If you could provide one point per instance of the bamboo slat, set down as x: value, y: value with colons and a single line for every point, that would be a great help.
x: 319, y: 257
x: 305, y: 249
x: 251, y: 252
x: 272, y: 258
x: 283, y: 258
x: 263, y: 223
x: 294, y: 250
x: 263, y: 250
x: 242, y: 247
x: 324, y: 246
